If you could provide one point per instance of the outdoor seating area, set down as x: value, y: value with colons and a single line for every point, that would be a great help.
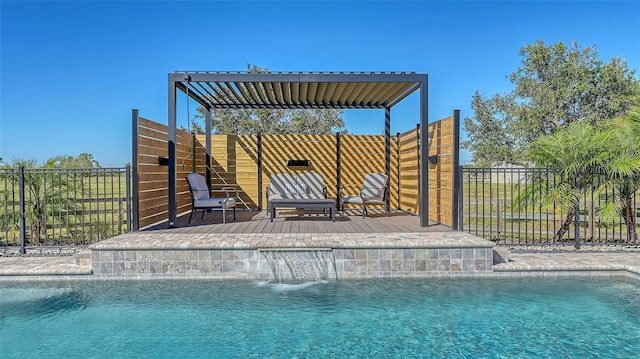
x: 305, y: 190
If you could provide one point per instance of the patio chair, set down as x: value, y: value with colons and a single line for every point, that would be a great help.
x: 373, y: 191
x: 201, y: 197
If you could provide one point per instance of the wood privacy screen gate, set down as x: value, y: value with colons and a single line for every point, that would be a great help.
x: 247, y: 161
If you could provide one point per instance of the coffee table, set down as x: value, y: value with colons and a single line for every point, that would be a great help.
x: 299, y: 203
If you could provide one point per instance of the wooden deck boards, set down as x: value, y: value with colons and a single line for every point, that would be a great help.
x: 294, y: 222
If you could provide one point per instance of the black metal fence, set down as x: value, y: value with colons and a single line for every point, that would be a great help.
x: 506, y: 205
x: 63, y: 207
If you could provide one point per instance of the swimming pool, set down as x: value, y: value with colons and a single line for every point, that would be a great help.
x: 435, y: 318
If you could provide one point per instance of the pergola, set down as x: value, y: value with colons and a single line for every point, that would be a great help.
x: 304, y: 90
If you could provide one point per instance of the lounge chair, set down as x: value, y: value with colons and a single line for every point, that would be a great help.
x: 201, y: 197
x: 373, y: 191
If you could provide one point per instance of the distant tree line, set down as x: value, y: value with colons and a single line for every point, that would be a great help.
x: 83, y: 160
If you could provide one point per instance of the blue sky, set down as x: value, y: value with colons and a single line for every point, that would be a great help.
x: 72, y: 71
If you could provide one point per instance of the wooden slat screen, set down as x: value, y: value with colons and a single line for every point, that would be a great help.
x: 409, y: 171
x: 441, y: 144
x: 234, y: 162
x: 362, y: 154
x: 153, y: 185
x: 319, y: 150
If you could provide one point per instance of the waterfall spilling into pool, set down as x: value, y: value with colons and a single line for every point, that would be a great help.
x: 301, y: 264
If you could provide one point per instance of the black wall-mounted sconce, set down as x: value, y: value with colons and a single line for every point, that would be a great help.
x: 298, y: 163
x: 163, y: 161
x: 433, y: 159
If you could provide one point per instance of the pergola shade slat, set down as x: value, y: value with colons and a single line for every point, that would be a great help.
x: 326, y: 99
x: 363, y: 94
x: 311, y: 94
x: 295, y: 94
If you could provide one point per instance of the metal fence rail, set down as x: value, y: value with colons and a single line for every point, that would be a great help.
x: 501, y: 204
x: 63, y: 207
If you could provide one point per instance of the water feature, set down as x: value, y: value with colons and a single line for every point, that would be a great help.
x: 300, y: 264
x: 418, y: 318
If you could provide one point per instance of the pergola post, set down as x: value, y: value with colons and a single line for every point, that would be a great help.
x: 387, y: 150
x: 173, y: 203
x: 207, y: 119
x: 424, y: 153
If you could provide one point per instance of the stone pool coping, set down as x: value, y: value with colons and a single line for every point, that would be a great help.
x: 520, y: 265
x: 179, y: 241
x: 546, y: 264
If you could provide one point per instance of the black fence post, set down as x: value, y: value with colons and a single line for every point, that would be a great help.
x: 457, y: 181
x: 135, y: 198
x: 23, y: 225
x: 128, y: 195
x: 460, y: 200
x: 577, y: 226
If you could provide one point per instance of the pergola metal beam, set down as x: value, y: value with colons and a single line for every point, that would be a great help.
x: 303, y: 90
x: 311, y: 77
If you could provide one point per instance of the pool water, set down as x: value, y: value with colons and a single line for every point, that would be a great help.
x: 434, y: 318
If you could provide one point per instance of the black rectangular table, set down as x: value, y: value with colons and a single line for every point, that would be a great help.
x: 299, y: 203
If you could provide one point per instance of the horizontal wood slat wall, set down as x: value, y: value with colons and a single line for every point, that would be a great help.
x: 153, y: 185
x: 441, y: 145
x: 362, y: 154
x: 440, y: 183
x: 234, y: 162
x: 319, y: 150
x: 409, y: 171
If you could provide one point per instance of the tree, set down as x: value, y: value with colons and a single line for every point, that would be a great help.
x: 275, y: 121
x: 83, y: 160
x: 591, y: 159
x: 500, y: 144
x: 621, y: 169
x: 47, y: 194
x: 573, y: 152
x: 554, y: 87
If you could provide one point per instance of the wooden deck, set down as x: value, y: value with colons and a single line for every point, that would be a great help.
x: 291, y: 221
